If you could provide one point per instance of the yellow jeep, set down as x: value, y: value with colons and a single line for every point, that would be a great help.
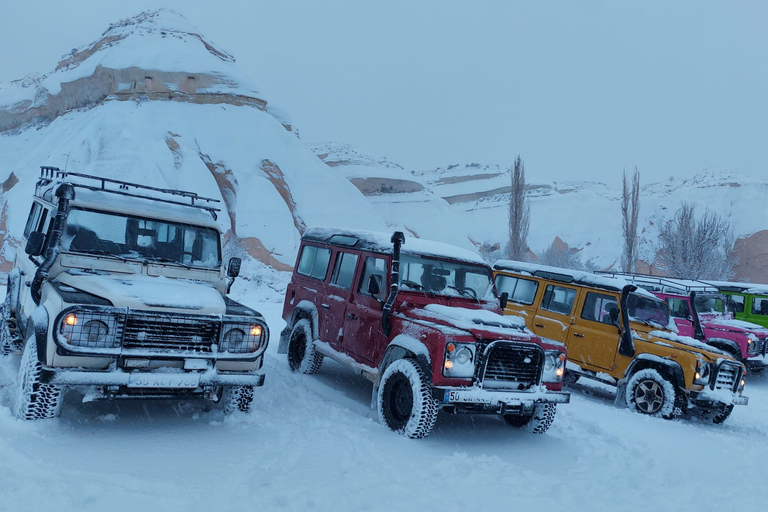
x: 621, y: 335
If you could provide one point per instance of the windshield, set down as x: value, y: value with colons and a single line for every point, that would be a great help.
x: 128, y: 237
x: 648, y: 310
x: 710, y: 304
x: 443, y: 277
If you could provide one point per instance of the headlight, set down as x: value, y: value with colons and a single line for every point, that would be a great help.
x: 241, y: 338
x: 90, y: 329
x: 459, y: 360
x: 554, y: 366
x: 753, y: 345
x: 703, y: 371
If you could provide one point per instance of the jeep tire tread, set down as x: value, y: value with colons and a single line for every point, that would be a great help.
x: 648, y: 392
x: 236, y: 398
x: 723, y: 414
x: 405, y: 401
x: 537, y: 423
x: 35, y: 400
x: 302, y: 356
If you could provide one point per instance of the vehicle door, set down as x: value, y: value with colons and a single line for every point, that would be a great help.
x: 521, y: 294
x: 40, y: 219
x: 337, y: 296
x: 680, y: 311
x: 759, y: 310
x: 308, y: 283
x: 736, y: 303
x: 593, y: 341
x: 554, y: 316
x: 363, y: 335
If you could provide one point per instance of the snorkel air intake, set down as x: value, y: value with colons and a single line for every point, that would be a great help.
x: 65, y: 193
x: 626, y: 345
x: 398, y: 239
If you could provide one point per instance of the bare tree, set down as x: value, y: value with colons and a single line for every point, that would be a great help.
x: 692, y: 248
x: 630, y: 208
x: 519, y: 214
x: 558, y: 256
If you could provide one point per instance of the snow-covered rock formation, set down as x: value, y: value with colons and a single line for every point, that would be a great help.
x: 153, y: 101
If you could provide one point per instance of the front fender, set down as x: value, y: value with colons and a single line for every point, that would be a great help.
x: 403, y: 346
x: 304, y: 309
x: 727, y: 345
x: 643, y: 361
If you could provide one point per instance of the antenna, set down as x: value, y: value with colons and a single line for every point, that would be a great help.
x: 66, y: 164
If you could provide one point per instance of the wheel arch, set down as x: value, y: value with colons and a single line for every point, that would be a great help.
x: 304, y: 309
x: 403, y: 346
x: 668, y: 369
x: 727, y: 346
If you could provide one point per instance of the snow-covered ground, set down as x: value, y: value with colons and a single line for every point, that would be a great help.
x: 313, y: 443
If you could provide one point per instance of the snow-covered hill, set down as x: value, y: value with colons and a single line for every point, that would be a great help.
x: 153, y: 101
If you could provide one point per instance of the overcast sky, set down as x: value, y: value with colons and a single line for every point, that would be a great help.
x: 580, y: 89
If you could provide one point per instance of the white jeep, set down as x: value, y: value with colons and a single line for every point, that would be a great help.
x: 122, y: 293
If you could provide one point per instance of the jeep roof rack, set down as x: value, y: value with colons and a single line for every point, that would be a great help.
x: 663, y: 284
x: 49, y: 175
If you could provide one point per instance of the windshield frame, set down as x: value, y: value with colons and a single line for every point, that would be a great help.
x: 710, y: 314
x: 146, y: 259
x: 479, y: 269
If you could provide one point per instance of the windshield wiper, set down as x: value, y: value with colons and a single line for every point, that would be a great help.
x: 160, y: 259
x: 100, y: 252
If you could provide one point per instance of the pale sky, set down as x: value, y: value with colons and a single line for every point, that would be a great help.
x: 580, y: 89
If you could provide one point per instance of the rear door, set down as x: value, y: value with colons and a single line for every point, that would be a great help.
x: 308, y: 284
x: 363, y: 336
x: 337, y: 296
x: 554, y: 316
x: 593, y: 341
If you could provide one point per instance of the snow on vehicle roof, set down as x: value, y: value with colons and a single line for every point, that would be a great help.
x: 729, y: 286
x: 576, y: 276
x: 379, y: 241
x: 141, y: 207
x: 670, y: 285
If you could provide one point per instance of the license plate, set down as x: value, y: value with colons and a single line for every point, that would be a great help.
x: 741, y: 400
x: 458, y: 397
x: 163, y: 380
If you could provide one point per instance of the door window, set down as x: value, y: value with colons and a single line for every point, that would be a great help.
x: 600, y: 308
x: 760, y: 306
x: 373, y: 267
x: 678, y: 308
x: 344, y: 270
x: 558, y: 299
x: 735, y: 303
x: 520, y: 290
x: 314, y: 261
x: 32, y: 220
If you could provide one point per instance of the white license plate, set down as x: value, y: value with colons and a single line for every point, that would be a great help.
x: 741, y: 400
x: 462, y: 398
x: 163, y: 380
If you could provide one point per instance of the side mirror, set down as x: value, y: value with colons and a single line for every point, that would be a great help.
x: 35, y: 243
x: 375, y: 283
x: 233, y: 269
x: 503, y: 299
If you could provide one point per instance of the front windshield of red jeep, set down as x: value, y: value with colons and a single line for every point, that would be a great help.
x: 711, y: 305
x: 648, y: 310
x: 438, y: 277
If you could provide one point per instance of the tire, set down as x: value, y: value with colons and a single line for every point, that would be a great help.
x: 35, y: 400
x: 302, y: 356
x: 650, y: 393
x: 236, y: 398
x: 723, y: 415
x: 7, y: 324
x: 537, y: 423
x: 405, y: 401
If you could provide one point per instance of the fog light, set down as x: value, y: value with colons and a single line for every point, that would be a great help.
x: 256, y: 330
x: 698, y: 375
x: 743, y: 381
x: 559, y: 372
x: 70, y: 319
x: 448, y: 365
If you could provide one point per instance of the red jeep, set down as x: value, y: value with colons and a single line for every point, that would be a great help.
x: 423, y: 325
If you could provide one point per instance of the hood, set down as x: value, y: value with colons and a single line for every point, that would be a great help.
x: 686, y: 343
x: 481, y: 323
x: 137, y: 291
x: 730, y: 324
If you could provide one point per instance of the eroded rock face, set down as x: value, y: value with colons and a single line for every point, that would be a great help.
x: 752, y: 252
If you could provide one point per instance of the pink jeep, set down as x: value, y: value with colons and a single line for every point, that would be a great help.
x: 700, y: 311
x: 424, y: 326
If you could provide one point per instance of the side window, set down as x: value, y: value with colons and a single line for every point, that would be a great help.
x: 520, y: 290
x: 32, y: 220
x: 760, y: 306
x: 314, y: 261
x: 558, y: 299
x: 735, y: 303
x: 344, y: 270
x: 600, y: 308
x: 678, y: 308
x: 373, y: 267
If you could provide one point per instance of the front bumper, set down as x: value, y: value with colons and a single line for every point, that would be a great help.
x: 756, y: 363
x: 151, y: 380
x: 473, y: 399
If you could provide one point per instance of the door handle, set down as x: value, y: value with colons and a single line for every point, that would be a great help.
x: 325, y: 306
x: 539, y: 325
x: 578, y: 335
x: 352, y: 316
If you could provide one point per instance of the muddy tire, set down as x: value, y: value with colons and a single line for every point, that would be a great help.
x: 648, y: 392
x: 35, y: 400
x: 537, y: 423
x: 302, y: 356
x: 405, y: 401
x: 236, y: 398
x: 722, y: 415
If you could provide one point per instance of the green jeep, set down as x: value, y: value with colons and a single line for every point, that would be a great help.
x: 747, y: 301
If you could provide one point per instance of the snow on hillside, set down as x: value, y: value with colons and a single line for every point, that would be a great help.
x: 155, y: 103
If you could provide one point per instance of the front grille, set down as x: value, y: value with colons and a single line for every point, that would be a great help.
x: 510, y: 365
x: 170, y: 333
x: 727, y: 375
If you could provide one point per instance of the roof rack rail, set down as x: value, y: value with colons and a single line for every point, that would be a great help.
x: 668, y: 282
x: 50, y: 174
